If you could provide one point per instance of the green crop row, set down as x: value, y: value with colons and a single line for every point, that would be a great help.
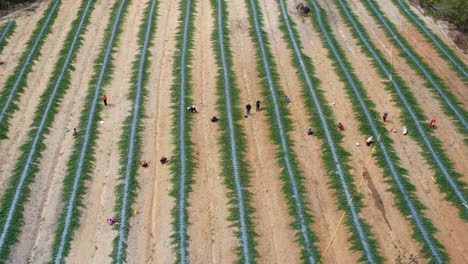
x: 443, y: 50
x: 131, y: 155
x: 76, y: 175
x: 17, y: 81
x: 435, y: 144
x: 335, y: 140
x: 27, y: 164
x: 407, y: 191
x: 183, y: 163
x: 5, y: 32
x: 298, y: 206
x: 247, y: 253
x: 431, y: 80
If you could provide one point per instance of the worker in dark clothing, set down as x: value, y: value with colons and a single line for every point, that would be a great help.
x: 369, y: 141
x: 104, y: 98
x: 192, y: 109
x: 214, y: 119
x: 340, y: 126
x: 164, y: 160
x: 257, y: 105
x: 310, y: 131
x: 247, y: 108
x: 384, y: 117
x: 75, y: 131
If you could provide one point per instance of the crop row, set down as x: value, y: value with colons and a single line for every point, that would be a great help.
x: 26, y: 167
x: 6, y: 32
x: 335, y: 157
x: 447, y: 177
x: 235, y: 169
x: 182, y: 166
x: 130, y: 143
x: 448, y: 101
x: 442, y: 48
x: 80, y: 163
x: 16, y: 82
x: 405, y: 198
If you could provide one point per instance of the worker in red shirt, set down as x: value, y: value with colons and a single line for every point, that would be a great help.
x: 104, y: 98
x: 432, y: 125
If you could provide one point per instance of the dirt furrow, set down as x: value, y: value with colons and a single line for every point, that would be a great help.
x: 36, y: 84
x: 42, y: 209
x: 409, y: 152
x: 100, y: 196
x: 453, y: 142
x: 211, y: 238
x: 149, y: 237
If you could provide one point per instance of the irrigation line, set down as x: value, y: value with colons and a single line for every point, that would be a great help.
x: 28, y: 60
x: 6, y: 30
x: 330, y: 141
x: 390, y: 164
x: 429, y: 34
x: 183, y: 249
x: 235, y: 163
x: 71, y: 204
x: 418, y: 63
x: 40, y: 128
x: 132, y: 139
x: 408, y: 107
x: 292, y: 177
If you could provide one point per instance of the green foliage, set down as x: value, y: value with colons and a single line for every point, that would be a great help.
x: 22, y: 82
x: 409, y: 188
x: 240, y: 138
x: 182, y: 89
x: 335, y: 140
x: 455, y: 11
x: 136, y: 91
x: 26, y: 148
x: 434, y: 142
x: 79, y: 145
x: 5, y: 32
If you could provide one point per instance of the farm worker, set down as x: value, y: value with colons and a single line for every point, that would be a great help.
x: 432, y: 125
x: 384, y: 117
x: 104, y: 98
x: 75, y: 131
x: 257, y: 105
x: 340, y: 126
x: 247, y: 108
x: 111, y: 221
x: 144, y: 164
x: 192, y: 109
x: 163, y: 160
x: 309, y: 131
x: 214, y: 119
x: 287, y: 99
x: 405, y: 130
x: 369, y: 141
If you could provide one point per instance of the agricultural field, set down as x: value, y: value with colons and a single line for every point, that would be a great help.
x: 95, y: 93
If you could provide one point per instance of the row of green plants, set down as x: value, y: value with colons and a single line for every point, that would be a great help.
x: 451, y: 106
x: 335, y: 157
x: 5, y: 32
x: 27, y: 164
x: 17, y: 81
x: 280, y: 127
x: 131, y: 140
x: 183, y: 162
x: 80, y: 163
x: 439, y: 45
x: 396, y: 177
x: 412, y: 115
x: 235, y: 167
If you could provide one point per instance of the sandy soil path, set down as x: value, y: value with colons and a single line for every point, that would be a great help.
x: 426, y: 51
x: 428, y: 194
x: 307, y: 149
x: 45, y: 203
x: 441, y: 28
x: 36, y: 84
x: 212, y: 239
x: 149, y: 238
x: 100, y: 197
x: 453, y: 142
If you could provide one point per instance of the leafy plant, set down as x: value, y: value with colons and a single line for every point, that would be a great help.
x: 16, y: 82
x: 81, y: 161
x: 5, y: 33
